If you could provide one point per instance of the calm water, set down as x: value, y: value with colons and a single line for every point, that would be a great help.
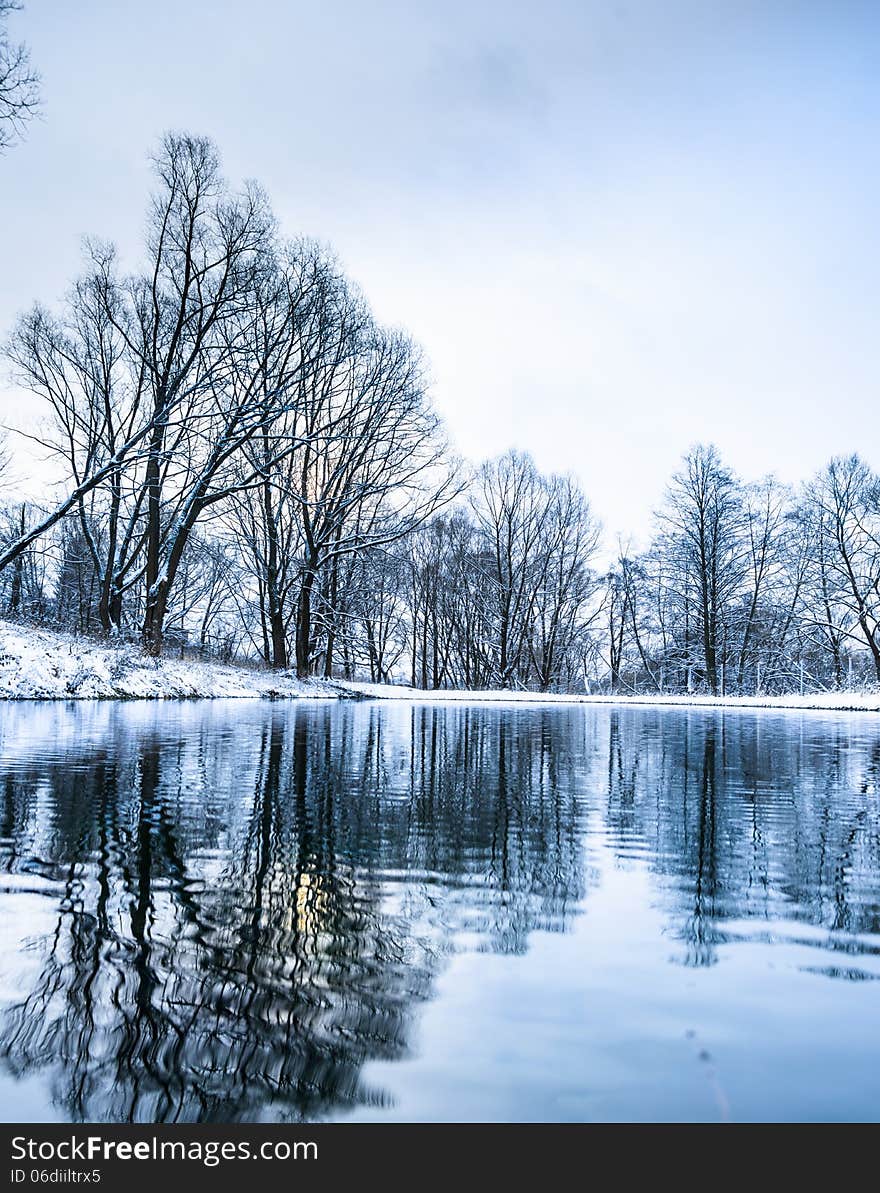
x: 237, y: 911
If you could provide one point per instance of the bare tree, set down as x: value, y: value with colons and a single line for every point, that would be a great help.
x: 373, y: 461
x: 821, y: 622
x: 503, y: 593
x: 202, y: 242
x: 22, y: 592
x: 846, y: 501
x: 78, y: 365
x: 19, y: 82
x: 449, y: 595
x: 432, y: 592
x: 634, y: 607
x: 764, y: 509
x: 181, y: 326
x: 702, y: 521
x: 512, y: 510
x: 157, y: 382
x: 267, y: 516
x: 6, y: 462
x: 561, y: 612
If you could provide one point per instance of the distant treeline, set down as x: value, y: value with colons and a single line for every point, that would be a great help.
x: 251, y: 468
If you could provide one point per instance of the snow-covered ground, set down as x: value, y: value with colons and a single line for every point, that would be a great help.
x: 841, y: 701
x: 44, y: 665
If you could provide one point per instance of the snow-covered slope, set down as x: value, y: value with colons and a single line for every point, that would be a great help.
x: 42, y: 665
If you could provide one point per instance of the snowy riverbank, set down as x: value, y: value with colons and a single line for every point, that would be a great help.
x: 831, y: 701
x: 44, y: 665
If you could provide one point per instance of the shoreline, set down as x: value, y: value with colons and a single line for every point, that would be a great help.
x: 816, y: 701
x: 43, y: 666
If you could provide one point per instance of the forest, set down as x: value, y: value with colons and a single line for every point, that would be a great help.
x: 249, y: 467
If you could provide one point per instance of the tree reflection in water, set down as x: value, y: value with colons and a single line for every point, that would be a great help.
x: 753, y: 818
x: 248, y: 915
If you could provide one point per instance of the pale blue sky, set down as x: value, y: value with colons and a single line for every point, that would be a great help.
x: 616, y: 228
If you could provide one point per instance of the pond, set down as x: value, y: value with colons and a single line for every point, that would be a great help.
x: 319, y: 910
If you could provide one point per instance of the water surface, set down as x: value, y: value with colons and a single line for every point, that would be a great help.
x: 230, y: 911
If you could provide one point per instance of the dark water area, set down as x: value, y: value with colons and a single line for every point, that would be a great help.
x: 238, y: 911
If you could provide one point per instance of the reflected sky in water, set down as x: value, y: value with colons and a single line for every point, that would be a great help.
x: 246, y: 911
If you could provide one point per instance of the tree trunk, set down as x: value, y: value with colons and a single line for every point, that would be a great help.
x: 17, y: 586
x: 304, y: 625
x: 154, y: 616
x: 331, y: 633
x: 277, y: 628
x: 154, y: 620
x: 110, y: 599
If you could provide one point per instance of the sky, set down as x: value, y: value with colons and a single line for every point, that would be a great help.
x: 616, y: 229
